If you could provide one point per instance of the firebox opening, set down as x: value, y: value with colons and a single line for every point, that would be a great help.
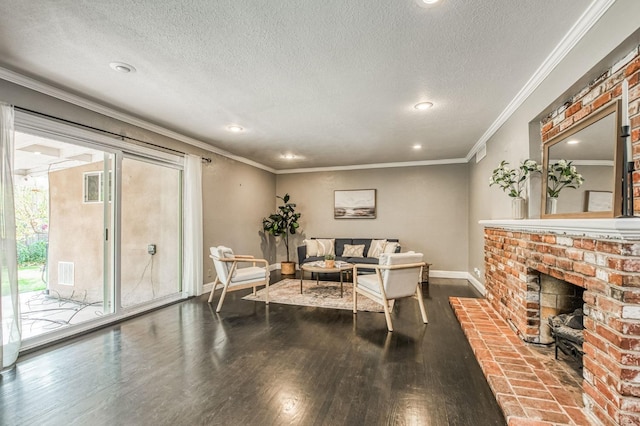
x: 561, y: 317
x: 557, y: 297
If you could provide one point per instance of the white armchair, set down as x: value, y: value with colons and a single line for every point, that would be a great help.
x: 232, y: 278
x: 397, y: 275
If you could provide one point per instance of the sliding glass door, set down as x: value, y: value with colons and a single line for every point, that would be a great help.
x: 99, y: 229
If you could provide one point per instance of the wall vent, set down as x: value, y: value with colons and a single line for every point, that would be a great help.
x: 65, y: 273
x: 481, y: 153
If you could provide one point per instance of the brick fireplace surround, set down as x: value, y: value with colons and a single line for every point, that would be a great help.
x: 603, y: 257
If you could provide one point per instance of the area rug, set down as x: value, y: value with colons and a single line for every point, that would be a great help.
x: 326, y: 294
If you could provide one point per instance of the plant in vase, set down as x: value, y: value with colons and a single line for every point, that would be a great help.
x: 513, y: 181
x: 561, y: 174
x: 282, y: 223
x: 329, y: 261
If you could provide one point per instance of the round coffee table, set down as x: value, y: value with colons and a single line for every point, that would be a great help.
x: 318, y: 268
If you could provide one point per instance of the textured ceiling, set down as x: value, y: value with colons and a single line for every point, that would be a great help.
x: 333, y: 82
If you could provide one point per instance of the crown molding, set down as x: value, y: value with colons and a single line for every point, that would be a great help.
x: 373, y: 166
x: 47, y: 89
x: 590, y: 16
x: 573, y: 36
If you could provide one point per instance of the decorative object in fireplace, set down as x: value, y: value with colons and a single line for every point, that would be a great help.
x: 567, y: 330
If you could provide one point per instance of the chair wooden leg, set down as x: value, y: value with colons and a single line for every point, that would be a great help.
x: 387, y: 314
x: 224, y: 293
x: 215, y: 283
x: 421, y: 304
x: 266, y: 301
x: 355, y: 300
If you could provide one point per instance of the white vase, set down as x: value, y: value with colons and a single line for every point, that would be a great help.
x: 518, y: 208
x: 552, y: 205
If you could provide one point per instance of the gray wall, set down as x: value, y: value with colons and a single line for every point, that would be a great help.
x: 235, y: 196
x: 425, y: 207
x: 511, y: 142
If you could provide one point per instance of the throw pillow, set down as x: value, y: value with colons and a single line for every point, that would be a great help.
x: 376, y: 248
x: 391, y: 247
x: 312, y: 247
x: 353, y: 250
x: 326, y: 246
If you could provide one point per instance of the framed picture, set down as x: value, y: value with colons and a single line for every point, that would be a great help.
x: 598, y: 201
x: 355, y: 204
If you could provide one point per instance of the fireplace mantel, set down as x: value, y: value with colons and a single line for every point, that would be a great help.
x: 622, y: 229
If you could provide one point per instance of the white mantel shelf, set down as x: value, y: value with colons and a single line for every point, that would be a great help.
x: 624, y: 229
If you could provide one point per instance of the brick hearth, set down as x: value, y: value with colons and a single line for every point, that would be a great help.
x: 609, y: 270
x: 531, y: 389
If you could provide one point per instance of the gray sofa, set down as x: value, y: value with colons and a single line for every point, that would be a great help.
x: 339, y: 247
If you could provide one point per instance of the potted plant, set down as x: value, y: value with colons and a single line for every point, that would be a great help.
x: 512, y: 181
x: 561, y: 174
x: 280, y: 224
x: 329, y: 261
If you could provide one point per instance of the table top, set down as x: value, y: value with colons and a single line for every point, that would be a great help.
x: 319, y: 267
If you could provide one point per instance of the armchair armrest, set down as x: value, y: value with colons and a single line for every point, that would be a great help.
x: 243, y: 258
x: 386, y: 267
x: 403, y: 266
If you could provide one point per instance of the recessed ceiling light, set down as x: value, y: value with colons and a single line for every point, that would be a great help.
x: 122, y: 67
x: 37, y: 153
x: 235, y: 128
x: 289, y: 156
x: 427, y: 3
x: 423, y: 106
x: 573, y: 142
x: 417, y: 147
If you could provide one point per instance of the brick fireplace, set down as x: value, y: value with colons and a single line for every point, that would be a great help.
x: 603, y: 257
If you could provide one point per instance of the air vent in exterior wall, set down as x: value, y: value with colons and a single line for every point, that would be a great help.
x: 65, y: 273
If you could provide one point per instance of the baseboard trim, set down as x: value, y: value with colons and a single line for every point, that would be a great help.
x: 463, y: 275
x: 206, y: 288
x: 477, y: 284
x: 448, y: 274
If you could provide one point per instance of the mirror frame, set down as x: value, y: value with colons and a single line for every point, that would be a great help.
x: 613, y: 108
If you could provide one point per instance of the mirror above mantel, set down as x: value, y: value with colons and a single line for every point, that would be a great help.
x: 592, y: 147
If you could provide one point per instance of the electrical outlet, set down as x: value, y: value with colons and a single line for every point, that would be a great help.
x: 151, y: 249
x: 209, y: 272
x: 477, y: 272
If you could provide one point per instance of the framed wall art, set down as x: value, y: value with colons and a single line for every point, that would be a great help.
x: 598, y: 201
x: 354, y: 204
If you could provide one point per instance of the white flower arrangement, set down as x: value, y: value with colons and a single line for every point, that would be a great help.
x: 512, y: 181
x: 562, y: 174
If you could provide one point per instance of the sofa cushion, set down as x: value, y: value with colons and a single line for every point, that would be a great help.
x: 366, y: 260
x: 376, y: 248
x: 326, y: 246
x: 312, y: 247
x: 339, y: 244
x: 351, y: 250
x: 391, y: 247
x: 365, y: 241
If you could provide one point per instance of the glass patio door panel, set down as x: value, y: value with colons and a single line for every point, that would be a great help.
x: 150, y: 231
x: 64, y: 260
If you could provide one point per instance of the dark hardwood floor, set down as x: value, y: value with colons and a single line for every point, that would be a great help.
x: 259, y: 365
